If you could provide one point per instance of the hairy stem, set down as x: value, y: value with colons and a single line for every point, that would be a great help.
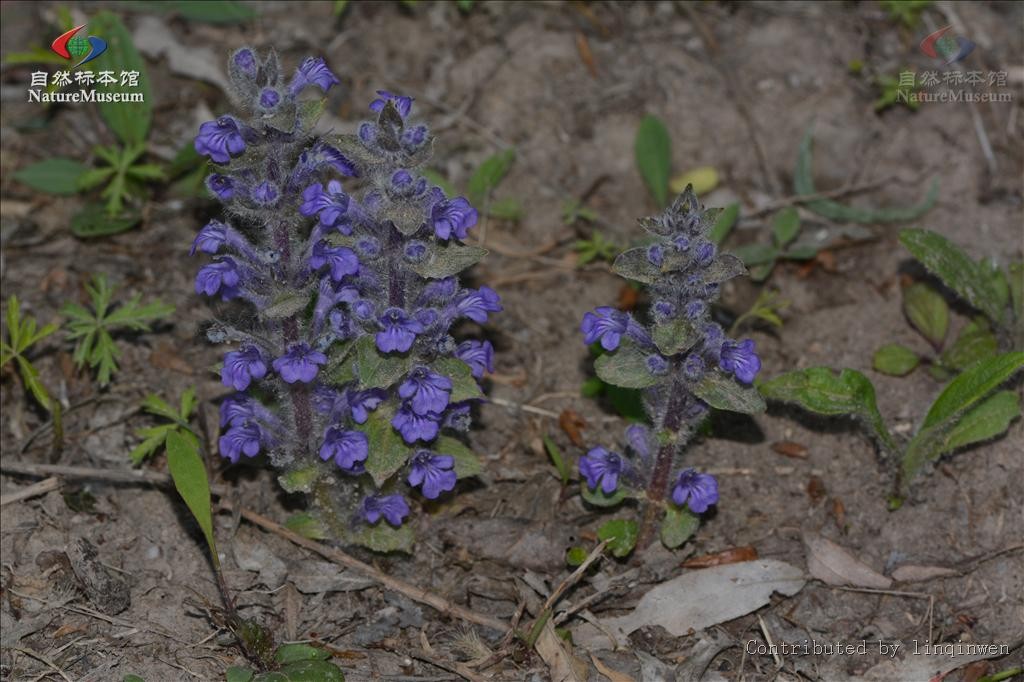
x: 657, y: 485
x: 298, y: 392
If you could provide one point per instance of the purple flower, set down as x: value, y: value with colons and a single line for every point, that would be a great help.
x: 347, y: 448
x: 453, y: 216
x: 695, y: 309
x: 479, y: 355
x: 457, y: 416
x: 265, y: 193
x: 362, y: 402
x: 220, y: 139
x: 242, y: 366
x: 403, y: 104
x: 245, y: 61
x: 222, y: 276
x: 399, y: 331
x: 414, y: 137
x: 601, y: 465
x: 435, y: 473
x: 476, y: 304
x: 414, y: 427
x: 664, y: 310
x: 210, y: 238
x: 696, y: 491
x: 269, y: 98
x: 342, y: 260
x: 656, y: 365
x: 239, y: 440
x: 705, y: 253
x: 324, y: 154
x: 693, y: 367
x: 393, y: 508
x: 330, y: 204
x: 300, y: 363
x: 426, y: 391
x: 313, y: 71
x: 740, y: 359
x: 607, y: 324
x: 222, y: 186
x: 655, y: 255
x: 639, y: 439
x: 236, y: 409
x: 415, y: 251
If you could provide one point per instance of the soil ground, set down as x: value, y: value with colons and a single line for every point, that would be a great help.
x: 726, y: 78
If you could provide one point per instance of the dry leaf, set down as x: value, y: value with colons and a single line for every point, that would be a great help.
x: 628, y: 298
x: 839, y: 513
x: 681, y: 605
x: 915, y: 574
x: 585, y: 54
x: 563, y: 666
x: 833, y: 565
x: 728, y: 556
x: 571, y: 422
x: 816, y: 489
x: 613, y: 675
x: 788, y: 448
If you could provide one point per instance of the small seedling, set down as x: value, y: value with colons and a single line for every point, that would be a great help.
x: 483, y: 183
x: 761, y: 258
x: 595, y: 248
x: 154, y: 437
x: 574, y: 211
x: 684, y: 365
x: 897, y: 90
x: 22, y: 334
x: 123, y: 175
x: 767, y: 308
x: 94, y: 329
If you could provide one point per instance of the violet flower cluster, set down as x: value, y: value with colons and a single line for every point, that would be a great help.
x: 347, y: 376
x: 682, y: 361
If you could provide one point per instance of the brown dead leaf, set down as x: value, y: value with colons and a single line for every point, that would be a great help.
x: 628, y: 298
x: 585, y: 54
x: 827, y: 260
x: 816, y: 490
x: 67, y: 629
x: 806, y: 269
x: 728, y: 556
x: 788, y: 448
x: 571, y: 422
x: 839, y: 513
x: 834, y: 565
x: 613, y: 675
x: 975, y: 671
x: 914, y: 574
x: 563, y: 666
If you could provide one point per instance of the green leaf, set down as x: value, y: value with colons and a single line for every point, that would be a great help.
x: 30, y: 375
x: 205, y: 11
x: 388, y: 452
x: 621, y: 535
x: 1015, y: 279
x: 678, y: 526
x: 189, y: 474
x: 286, y: 304
x: 53, y: 176
x: 306, y: 525
x: 724, y: 223
x: 556, y: 458
x: 132, y: 678
x: 445, y: 259
x: 785, y: 226
x: 290, y: 653
x: 975, y: 342
x: 94, y: 221
x: 383, y: 537
x: 466, y: 463
x: 633, y: 264
x: 804, y: 186
x: 626, y: 367
x: 128, y: 120
x: 599, y: 498
x: 576, y: 556
x: 971, y: 386
x: 958, y: 272
x: 489, y: 175
x: 723, y: 392
x: 895, y: 360
x: 376, y: 369
x: 300, y: 480
x: 464, y: 384
x: 238, y: 674
x: 927, y: 312
x: 820, y: 390
x: 675, y: 336
x: 154, y: 438
x: 312, y: 671
x: 505, y: 209
x: 653, y: 149
x: 756, y: 254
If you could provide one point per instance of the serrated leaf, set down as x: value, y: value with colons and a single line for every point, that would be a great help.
x: 621, y: 535
x: 821, y: 390
x: 154, y: 404
x: 464, y: 384
x: 189, y: 475
x: 561, y: 466
x: 306, y: 525
x: 951, y: 265
x: 724, y: 223
x: 466, y: 463
x: 300, y: 480
x: 94, y: 221
x: 803, y: 184
x: 599, y: 498
x: 678, y: 526
x: 625, y: 367
x: 675, y: 336
x: 375, y: 369
x: 723, y: 392
x: 489, y: 175
x: 927, y: 312
x: 895, y: 360
x: 633, y: 264
x: 388, y: 452
x: 653, y: 150
x: 785, y: 226
x: 445, y: 259
x: 53, y: 176
x: 975, y: 342
x: 128, y: 120
x: 723, y: 268
x: 383, y: 537
x: 971, y: 386
x: 30, y: 375
x: 155, y: 438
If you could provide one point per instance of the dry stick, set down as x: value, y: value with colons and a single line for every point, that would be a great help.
x: 546, y: 611
x: 40, y: 488
x: 415, y: 593
x: 43, y: 659
x: 838, y: 193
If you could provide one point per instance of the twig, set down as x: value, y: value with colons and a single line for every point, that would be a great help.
x: 43, y: 659
x: 460, y: 669
x: 544, y: 617
x: 837, y: 193
x: 771, y: 644
x: 525, y: 408
x: 40, y: 488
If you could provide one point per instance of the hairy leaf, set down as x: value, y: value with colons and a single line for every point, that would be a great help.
x: 895, y: 360
x: 724, y: 223
x: 464, y: 385
x: 382, y: 537
x: 633, y: 264
x: 723, y: 392
x: 376, y: 369
x: 621, y: 535
x: 388, y: 452
x: 975, y: 342
x: 94, y: 221
x: 678, y: 526
x: 626, y: 367
x: 300, y: 480
x: 599, y: 498
x: 466, y: 463
x: 447, y: 259
x: 972, y: 386
x: 306, y: 525
x: 675, y: 336
x: 927, y: 312
x: 725, y: 267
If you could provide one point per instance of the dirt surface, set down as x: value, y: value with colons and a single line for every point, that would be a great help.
x: 101, y: 580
